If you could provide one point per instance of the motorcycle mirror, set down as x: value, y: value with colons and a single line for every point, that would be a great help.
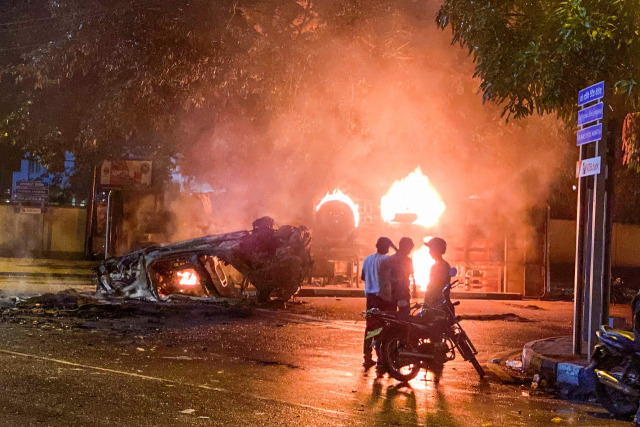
x: 453, y: 272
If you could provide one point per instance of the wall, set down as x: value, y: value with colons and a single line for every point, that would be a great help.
x: 57, y: 233
x: 625, y: 243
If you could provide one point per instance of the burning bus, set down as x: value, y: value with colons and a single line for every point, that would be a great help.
x: 488, y: 260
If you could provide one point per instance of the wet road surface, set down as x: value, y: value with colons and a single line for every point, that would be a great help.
x: 300, y: 366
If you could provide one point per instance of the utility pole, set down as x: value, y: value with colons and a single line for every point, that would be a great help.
x: 591, y: 293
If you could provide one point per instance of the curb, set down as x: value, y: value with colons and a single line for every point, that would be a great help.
x: 554, y: 371
x: 359, y: 293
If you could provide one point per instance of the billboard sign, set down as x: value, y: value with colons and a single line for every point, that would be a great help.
x: 588, y: 167
x: 126, y: 173
x: 30, y: 192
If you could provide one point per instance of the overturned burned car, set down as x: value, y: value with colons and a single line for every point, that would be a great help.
x: 275, y: 260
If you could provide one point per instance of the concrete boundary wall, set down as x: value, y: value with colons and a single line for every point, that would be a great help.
x: 56, y: 233
x: 625, y: 244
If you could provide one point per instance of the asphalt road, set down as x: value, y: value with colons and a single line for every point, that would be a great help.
x: 299, y: 366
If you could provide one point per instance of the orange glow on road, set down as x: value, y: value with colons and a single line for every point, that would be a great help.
x: 412, y: 196
x: 341, y: 197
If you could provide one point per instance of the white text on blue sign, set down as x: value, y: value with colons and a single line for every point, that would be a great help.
x: 590, y: 134
x: 591, y: 93
x: 590, y: 114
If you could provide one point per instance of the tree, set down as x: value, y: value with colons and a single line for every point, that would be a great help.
x: 534, y: 57
x: 264, y: 95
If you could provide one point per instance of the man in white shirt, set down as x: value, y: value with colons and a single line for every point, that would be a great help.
x: 376, y: 297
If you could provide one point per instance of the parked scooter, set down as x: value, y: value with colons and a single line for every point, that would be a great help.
x: 616, y: 364
x: 426, y: 339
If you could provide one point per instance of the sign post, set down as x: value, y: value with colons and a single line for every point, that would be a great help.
x: 115, y: 176
x: 36, y: 192
x: 591, y: 299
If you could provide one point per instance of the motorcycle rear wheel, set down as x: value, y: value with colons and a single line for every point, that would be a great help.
x: 614, y: 401
x: 401, y: 368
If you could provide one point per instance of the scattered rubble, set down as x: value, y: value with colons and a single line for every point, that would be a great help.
x: 275, y: 260
x: 514, y: 364
x: 93, y: 311
x: 507, y: 317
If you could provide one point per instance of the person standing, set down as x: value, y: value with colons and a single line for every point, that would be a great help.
x: 440, y: 274
x: 398, y: 271
x: 375, y: 295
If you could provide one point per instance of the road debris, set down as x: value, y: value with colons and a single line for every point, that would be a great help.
x: 514, y: 364
x: 507, y: 317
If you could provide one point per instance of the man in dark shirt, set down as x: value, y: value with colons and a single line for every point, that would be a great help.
x: 440, y: 274
x: 397, y: 270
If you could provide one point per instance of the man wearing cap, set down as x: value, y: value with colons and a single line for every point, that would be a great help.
x: 440, y: 274
x: 376, y: 296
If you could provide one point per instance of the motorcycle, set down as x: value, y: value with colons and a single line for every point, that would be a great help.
x: 615, y: 361
x: 425, y: 339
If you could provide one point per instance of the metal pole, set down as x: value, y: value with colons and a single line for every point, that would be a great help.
x: 88, y: 233
x: 586, y: 260
x: 546, y: 289
x: 506, y: 268
x: 610, y: 133
x: 578, y: 293
x: 596, y: 308
x: 107, y: 239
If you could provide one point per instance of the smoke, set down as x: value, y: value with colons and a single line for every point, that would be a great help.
x: 376, y: 101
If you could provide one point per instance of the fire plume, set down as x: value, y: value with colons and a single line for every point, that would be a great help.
x: 187, y: 277
x: 412, y: 198
x: 341, y: 197
x: 422, y: 263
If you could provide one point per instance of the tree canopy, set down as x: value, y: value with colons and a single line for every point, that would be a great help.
x: 255, y: 95
x: 534, y: 56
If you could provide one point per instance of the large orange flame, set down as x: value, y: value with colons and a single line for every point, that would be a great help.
x: 341, y: 197
x: 187, y: 277
x: 422, y: 263
x: 414, y: 198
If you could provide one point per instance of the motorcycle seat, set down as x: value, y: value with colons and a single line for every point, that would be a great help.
x: 624, y: 338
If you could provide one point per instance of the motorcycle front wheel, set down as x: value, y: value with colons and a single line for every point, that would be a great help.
x: 399, y: 367
x: 467, y: 353
x: 614, y: 401
x: 477, y: 366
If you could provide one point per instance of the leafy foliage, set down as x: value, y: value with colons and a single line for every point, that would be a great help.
x: 124, y: 74
x: 317, y: 91
x: 534, y: 56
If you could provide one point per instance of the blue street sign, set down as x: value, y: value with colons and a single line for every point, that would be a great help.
x: 591, y: 93
x: 590, y: 114
x: 31, y: 191
x: 590, y: 134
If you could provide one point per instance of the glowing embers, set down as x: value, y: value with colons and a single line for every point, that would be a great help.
x: 422, y: 263
x: 412, y: 200
x: 339, y: 196
x: 187, y: 277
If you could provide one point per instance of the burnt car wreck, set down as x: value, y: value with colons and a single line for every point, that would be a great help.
x: 274, y: 260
